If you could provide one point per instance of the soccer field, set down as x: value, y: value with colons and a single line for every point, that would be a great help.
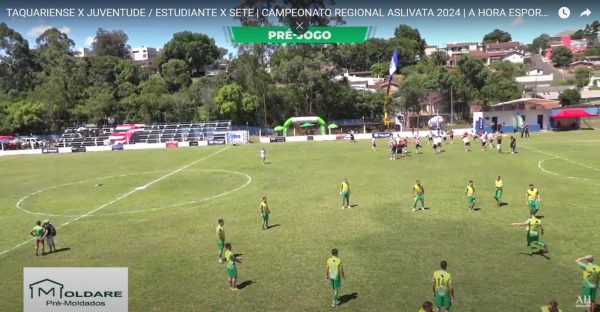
x: 155, y: 212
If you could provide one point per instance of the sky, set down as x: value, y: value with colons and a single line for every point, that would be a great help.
x: 156, y: 31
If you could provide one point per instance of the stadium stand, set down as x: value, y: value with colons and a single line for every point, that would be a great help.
x: 146, y: 133
x: 181, y: 132
x: 83, y: 136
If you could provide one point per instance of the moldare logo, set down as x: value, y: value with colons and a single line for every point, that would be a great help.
x: 75, y: 289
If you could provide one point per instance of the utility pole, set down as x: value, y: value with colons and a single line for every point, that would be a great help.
x: 265, y: 109
x: 451, y: 105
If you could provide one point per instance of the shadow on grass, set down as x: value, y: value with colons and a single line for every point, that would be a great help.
x: 274, y: 225
x: 476, y: 209
x: 348, y: 297
x: 503, y: 204
x: 244, y: 284
x: 352, y: 206
x: 57, y: 250
x: 537, y: 253
x: 267, y: 163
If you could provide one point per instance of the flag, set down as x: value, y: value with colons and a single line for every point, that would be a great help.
x: 394, y: 64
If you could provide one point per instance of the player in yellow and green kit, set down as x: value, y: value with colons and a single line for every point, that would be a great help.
x: 334, y: 272
x: 534, y: 231
x: 443, y: 288
x: 419, y: 193
x: 498, y: 192
x: 470, y: 193
x: 426, y: 307
x: 345, y: 193
x: 264, y: 212
x: 551, y: 307
x: 231, y: 260
x: 532, y: 199
x: 591, y: 279
x: 220, y: 239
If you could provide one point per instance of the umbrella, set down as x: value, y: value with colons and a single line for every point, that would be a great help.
x: 278, y: 128
x: 332, y: 126
x: 306, y: 124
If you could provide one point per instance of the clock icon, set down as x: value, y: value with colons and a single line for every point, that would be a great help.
x: 564, y: 12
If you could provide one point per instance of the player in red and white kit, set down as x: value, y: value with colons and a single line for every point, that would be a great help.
x: 466, y: 142
x: 418, y: 146
x: 451, y: 135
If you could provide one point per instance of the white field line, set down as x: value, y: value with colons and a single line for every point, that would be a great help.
x: 565, y: 159
x: 248, y: 181
x: 19, y: 203
x: 558, y: 174
x: 122, y: 196
x: 22, y: 199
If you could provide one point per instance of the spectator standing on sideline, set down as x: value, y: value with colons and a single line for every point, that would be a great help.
x: 50, y: 233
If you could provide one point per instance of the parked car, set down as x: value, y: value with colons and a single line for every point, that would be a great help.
x: 30, y: 142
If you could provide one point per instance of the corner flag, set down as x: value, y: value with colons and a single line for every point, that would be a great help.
x: 394, y: 64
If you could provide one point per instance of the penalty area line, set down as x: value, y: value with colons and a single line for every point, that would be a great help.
x: 123, y: 196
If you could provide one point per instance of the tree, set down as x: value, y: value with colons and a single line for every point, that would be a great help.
x: 232, y: 102
x: 380, y: 69
x: 412, y: 90
x: 55, y: 40
x: 176, y: 74
x: 196, y: 49
x: 592, y: 52
x: 439, y: 58
x: 111, y: 43
x: 409, y: 43
x: 468, y: 79
x: 582, y: 76
x: 497, y: 35
x: 561, y: 56
x: 569, y: 97
x: 24, y: 116
x: 16, y: 64
x: 539, y: 43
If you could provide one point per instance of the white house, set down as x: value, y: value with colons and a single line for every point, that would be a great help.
x: 514, y: 57
x: 513, y: 114
x: 82, y: 52
x: 430, y: 49
x: 144, y: 56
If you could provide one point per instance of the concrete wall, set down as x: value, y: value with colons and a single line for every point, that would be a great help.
x: 508, y: 118
x: 538, y: 78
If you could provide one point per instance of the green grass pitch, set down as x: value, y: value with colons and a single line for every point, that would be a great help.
x: 389, y: 251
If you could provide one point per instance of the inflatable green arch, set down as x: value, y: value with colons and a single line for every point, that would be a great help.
x: 315, y: 119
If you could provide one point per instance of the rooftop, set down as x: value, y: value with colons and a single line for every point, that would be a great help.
x: 503, y: 45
